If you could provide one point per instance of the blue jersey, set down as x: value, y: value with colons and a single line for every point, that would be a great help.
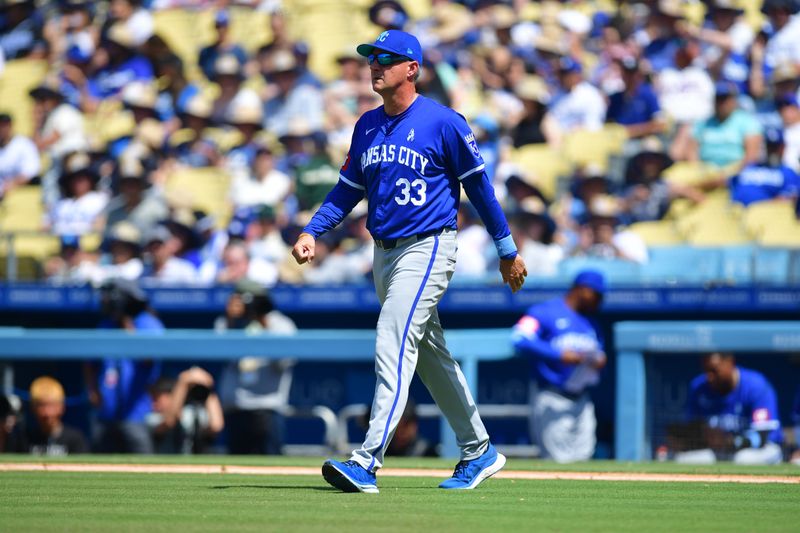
x: 751, y: 407
x: 757, y: 182
x: 411, y: 167
x: 545, y: 332
x: 124, y: 383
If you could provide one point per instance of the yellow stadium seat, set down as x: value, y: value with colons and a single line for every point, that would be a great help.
x: 22, y: 210
x: 710, y: 227
x: 250, y: 28
x: 20, y: 76
x: 186, y: 33
x: 91, y: 242
x: 787, y: 235
x: 27, y: 269
x: 39, y: 246
x: 544, y: 164
x: 583, y: 148
x: 688, y: 172
x: 206, y: 189
x: 657, y: 233
x: 761, y: 215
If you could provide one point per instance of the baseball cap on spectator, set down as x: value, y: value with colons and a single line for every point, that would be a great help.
x: 242, y: 217
x: 282, y: 61
x: 592, y: 279
x: 159, y: 233
x: 723, y: 89
x: 790, y: 6
x: 222, y: 18
x: 120, y: 35
x: 245, y: 113
x: 124, y: 232
x: 140, y: 95
x: 79, y: 54
x: 773, y: 137
x: 629, y: 63
x: 78, y: 163
x: 5, y: 117
x: 72, y: 242
x: 199, y: 107
x: 784, y: 72
x: 228, y: 65
x: 574, y: 21
x: 388, y: 14
x: 670, y: 8
x: 568, y: 65
x: 787, y: 100
x: 726, y: 5
x: 394, y: 41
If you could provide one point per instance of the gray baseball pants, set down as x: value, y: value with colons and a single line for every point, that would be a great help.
x: 410, y: 279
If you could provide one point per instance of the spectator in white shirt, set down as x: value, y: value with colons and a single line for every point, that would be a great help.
x: 686, y: 92
x: 784, y: 43
x: 19, y: 158
x: 123, y: 259
x: 78, y: 211
x: 789, y: 108
x: 581, y: 106
x: 137, y: 20
x: 162, y: 266
x: 289, y: 100
x: 261, y: 185
x: 238, y: 265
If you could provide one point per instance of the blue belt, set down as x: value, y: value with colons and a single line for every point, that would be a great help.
x: 388, y: 244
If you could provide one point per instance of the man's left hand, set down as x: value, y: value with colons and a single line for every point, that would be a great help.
x: 514, y: 272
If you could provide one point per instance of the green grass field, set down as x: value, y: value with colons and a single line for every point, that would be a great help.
x: 58, y: 501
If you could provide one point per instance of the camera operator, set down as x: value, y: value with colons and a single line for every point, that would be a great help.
x: 187, y: 414
x: 254, y: 390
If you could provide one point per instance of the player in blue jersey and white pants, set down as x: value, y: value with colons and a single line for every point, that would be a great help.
x: 410, y: 158
x: 567, y: 354
x: 739, y: 408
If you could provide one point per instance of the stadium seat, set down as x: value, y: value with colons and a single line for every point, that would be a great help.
x: 758, y: 216
x: 544, y: 163
x: 787, y: 235
x: 186, y: 32
x: 687, y: 172
x: 682, y: 264
x: 584, y: 148
x: 205, y: 188
x: 616, y: 271
x: 20, y: 76
x: 27, y: 269
x: 22, y: 210
x: 657, y: 232
x: 771, y: 266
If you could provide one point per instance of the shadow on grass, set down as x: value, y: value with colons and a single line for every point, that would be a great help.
x: 274, y: 487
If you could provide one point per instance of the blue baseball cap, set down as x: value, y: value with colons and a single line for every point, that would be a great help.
x: 773, y: 136
x: 726, y: 88
x: 222, y: 18
x: 788, y: 99
x: 568, y: 65
x: 593, y: 279
x: 395, y: 41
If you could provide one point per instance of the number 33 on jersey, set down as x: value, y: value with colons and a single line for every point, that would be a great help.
x: 400, y: 164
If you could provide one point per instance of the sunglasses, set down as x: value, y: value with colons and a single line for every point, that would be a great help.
x: 386, y: 59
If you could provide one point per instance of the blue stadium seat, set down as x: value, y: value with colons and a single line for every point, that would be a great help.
x: 616, y: 271
x: 682, y: 264
x: 737, y: 263
x: 772, y: 266
x: 794, y: 268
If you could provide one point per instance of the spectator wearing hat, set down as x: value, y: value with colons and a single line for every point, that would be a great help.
x: 661, y: 36
x: 122, y: 249
x: 135, y: 202
x: 290, y: 101
x: 174, y: 89
x: 19, y: 158
x: 58, y: 126
x: 388, y: 14
x: 789, y: 108
x: 121, y: 65
x: 783, y: 45
x: 222, y: 45
x: 246, y: 117
x: 118, y: 387
x: 647, y: 195
x: 564, y: 344
x: 535, y: 124
x: 229, y: 76
x: 731, y: 138
x: 254, y: 390
x: 65, y: 267
x: 191, y: 146
x: 767, y: 179
x: 161, y: 265
x: 636, y: 107
x: 726, y: 38
x: 308, y: 161
x: 602, y: 237
x: 136, y: 19
x: 536, y: 233
x: 264, y: 239
x: 237, y: 264
x: 580, y: 106
x: 21, y: 26
x: 47, y: 434
x: 685, y: 91
x: 140, y: 98
x: 261, y: 183
x: 79, y: 210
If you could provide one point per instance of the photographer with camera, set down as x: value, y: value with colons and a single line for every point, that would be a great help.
x: 118, y: 387
x: 187, y: 414
x: 254, y: 390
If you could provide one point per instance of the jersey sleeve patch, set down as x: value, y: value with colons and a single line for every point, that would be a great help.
x: 527, y: 326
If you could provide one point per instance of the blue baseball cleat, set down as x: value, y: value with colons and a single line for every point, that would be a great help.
x: 349, y: 476
x: 469, y: 474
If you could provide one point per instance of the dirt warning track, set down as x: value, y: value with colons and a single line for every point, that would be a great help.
x: 392, y: 472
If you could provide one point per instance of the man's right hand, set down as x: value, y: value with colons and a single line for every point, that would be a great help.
x: 303, y: 250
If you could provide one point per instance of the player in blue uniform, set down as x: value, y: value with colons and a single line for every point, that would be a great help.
x: 410, y: 158
x: 567, y: 354
x: 739, y: 410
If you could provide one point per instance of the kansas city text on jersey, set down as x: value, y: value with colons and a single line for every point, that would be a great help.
x: 389, y: 153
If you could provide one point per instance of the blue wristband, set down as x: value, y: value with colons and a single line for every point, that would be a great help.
x: 506, y: 247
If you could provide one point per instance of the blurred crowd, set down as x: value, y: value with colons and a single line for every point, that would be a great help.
x: 716, y: 83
